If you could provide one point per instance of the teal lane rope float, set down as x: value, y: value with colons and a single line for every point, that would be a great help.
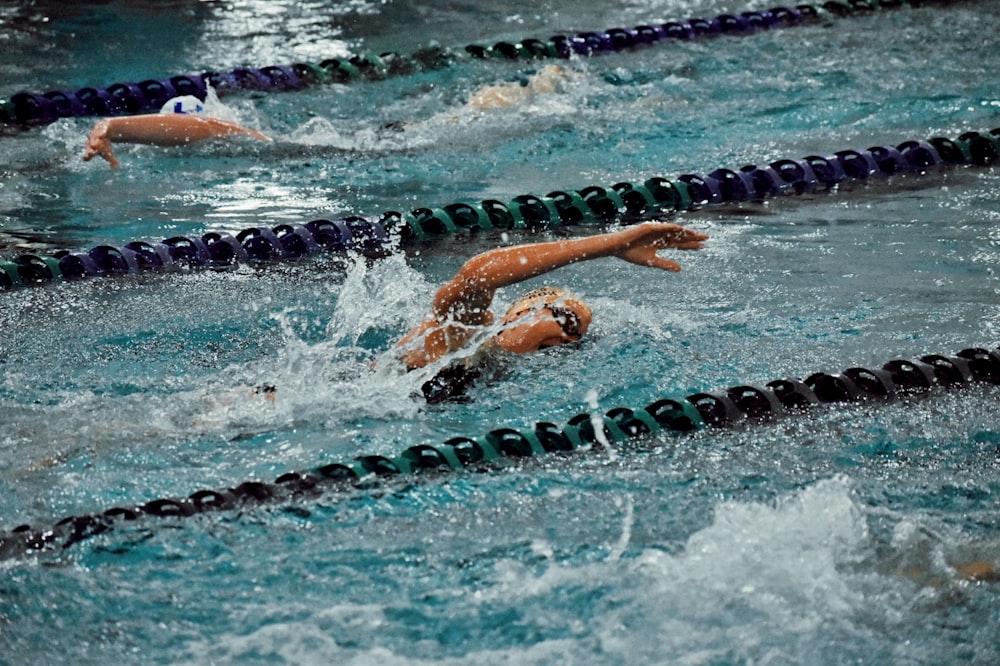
x: 738, y: 404
x: 30, y: 108
x: 622, y: 202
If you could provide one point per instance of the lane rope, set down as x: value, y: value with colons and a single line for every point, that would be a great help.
x: 25, y: 109
x: 624, y: 202
x: 740, y: 404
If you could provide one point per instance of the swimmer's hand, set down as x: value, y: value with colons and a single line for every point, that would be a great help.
x: 639, y: 244
x: 98, y: 143
x: 159, y: 129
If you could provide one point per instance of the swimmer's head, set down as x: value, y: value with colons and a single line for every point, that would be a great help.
x: 546, y: 317
x: 184, y: 104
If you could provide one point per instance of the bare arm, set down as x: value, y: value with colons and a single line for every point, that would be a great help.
x: 476, y: 282
x: 159, y: 129
x: 466, y: 298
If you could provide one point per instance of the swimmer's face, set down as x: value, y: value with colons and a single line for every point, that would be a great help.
x: 556, y: 323
x: 573, y: 322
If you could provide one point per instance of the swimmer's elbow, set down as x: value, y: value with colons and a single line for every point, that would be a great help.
x: 415, y: 359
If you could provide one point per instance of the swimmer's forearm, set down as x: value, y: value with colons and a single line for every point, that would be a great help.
x: 509, y: 265
x: 163, y: 129
x: 158, y: 130
x: 473, y: 287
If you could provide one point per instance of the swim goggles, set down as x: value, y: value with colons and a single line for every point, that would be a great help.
x: 568, y: 320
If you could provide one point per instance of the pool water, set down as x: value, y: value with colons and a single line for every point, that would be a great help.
x: 830, y: 536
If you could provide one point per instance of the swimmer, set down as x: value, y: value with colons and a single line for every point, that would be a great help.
x: 460, y: 314
x: 181, y: 121
x: 543, y: 318
x: 548, y: 80
x: 978, y: 571
x: 186, y: 120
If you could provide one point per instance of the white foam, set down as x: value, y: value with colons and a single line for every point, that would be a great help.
x: 752, y: 584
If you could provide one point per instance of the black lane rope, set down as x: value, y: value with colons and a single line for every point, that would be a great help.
x: 738, y: 404
x: 27, y: 108
x: 622, y: 202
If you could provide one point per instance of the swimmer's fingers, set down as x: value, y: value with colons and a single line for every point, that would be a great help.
x: 675, y: 245
x: 664, y: 264
x: 258, y: 135
x: 642, y: 242
x: 224, y: 127
x: 645, y: 255
x: 683, y: 245
x: 110, y: 157
x: 105, y: 153
x: 98, y: 143
x: 662, y: 235
x: 681, y: 238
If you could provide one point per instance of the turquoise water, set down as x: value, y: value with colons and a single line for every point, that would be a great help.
x: 822, y: 538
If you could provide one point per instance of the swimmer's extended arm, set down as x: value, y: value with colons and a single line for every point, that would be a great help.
x: 159, y: 129
x: 466, y: 298
x: 473, y: 287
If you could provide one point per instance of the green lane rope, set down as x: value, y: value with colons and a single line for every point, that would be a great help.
x: 745, y: 403
x: 623, y: 202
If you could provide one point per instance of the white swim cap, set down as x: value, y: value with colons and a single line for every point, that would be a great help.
x: 184, y: 104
